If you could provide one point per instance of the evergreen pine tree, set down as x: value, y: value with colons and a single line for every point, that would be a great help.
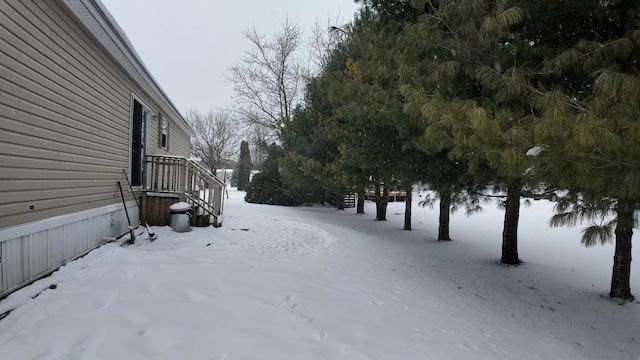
x: 243, y: 169
x: 463, y: 115
x: 308, y: 150
x: 589, y: 126
x: 266, y: 187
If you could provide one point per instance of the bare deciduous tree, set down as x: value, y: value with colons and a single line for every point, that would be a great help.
x: 215, y: 140
x: 259, y: 137
x: 270, y: 79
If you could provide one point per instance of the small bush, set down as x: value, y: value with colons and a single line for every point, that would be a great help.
x: 265, y: 189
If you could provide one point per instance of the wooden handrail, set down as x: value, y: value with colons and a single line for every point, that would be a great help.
x: 179, y: 175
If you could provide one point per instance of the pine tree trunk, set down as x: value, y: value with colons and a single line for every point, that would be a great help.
x: 407, y: 208
x: 510, y: 229
x: 620, y: 287
x: 360, y: 204
x: 445, y: 207
x: 382, y: 197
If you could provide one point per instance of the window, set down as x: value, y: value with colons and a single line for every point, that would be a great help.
x: 164, y: 132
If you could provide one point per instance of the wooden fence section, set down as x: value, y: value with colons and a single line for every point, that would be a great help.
x: 350, y: 200
x: 394, y: 195
x: 168, y: 176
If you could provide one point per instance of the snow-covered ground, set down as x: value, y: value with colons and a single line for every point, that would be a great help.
x: 317, y: 283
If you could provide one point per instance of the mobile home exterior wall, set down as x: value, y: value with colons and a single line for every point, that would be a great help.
x: 69, y: 83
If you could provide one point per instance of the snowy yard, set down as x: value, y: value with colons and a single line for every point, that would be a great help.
x: 317, y: 283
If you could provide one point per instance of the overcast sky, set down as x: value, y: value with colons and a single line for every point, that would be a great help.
x: 188, y: 45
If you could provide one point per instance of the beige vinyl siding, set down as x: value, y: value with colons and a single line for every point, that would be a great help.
x: 65, y: 112
x: 179, y: 141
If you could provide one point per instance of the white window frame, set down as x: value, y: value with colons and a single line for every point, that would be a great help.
x: 163, y: 131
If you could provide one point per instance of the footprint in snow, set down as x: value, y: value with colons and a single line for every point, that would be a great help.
x: 131, y: 273
x: 135, y: 318
x: 196, y: 296
x: 107, y: 301
x: 288, y: 302
x: 153, y: 287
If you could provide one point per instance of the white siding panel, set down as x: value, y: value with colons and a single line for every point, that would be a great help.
x: 37, y: 253
x: 70, y: 247
x: 55, y: 247
x: 29, y: 257
x: 82, y: 242
x: 11, y: 270
x: 93, y: 237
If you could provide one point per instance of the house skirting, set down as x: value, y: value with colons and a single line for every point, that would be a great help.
x: 156, y: 206
x: 31, y: 251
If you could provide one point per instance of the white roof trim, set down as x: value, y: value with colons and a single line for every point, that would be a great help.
x: 99, y: 22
